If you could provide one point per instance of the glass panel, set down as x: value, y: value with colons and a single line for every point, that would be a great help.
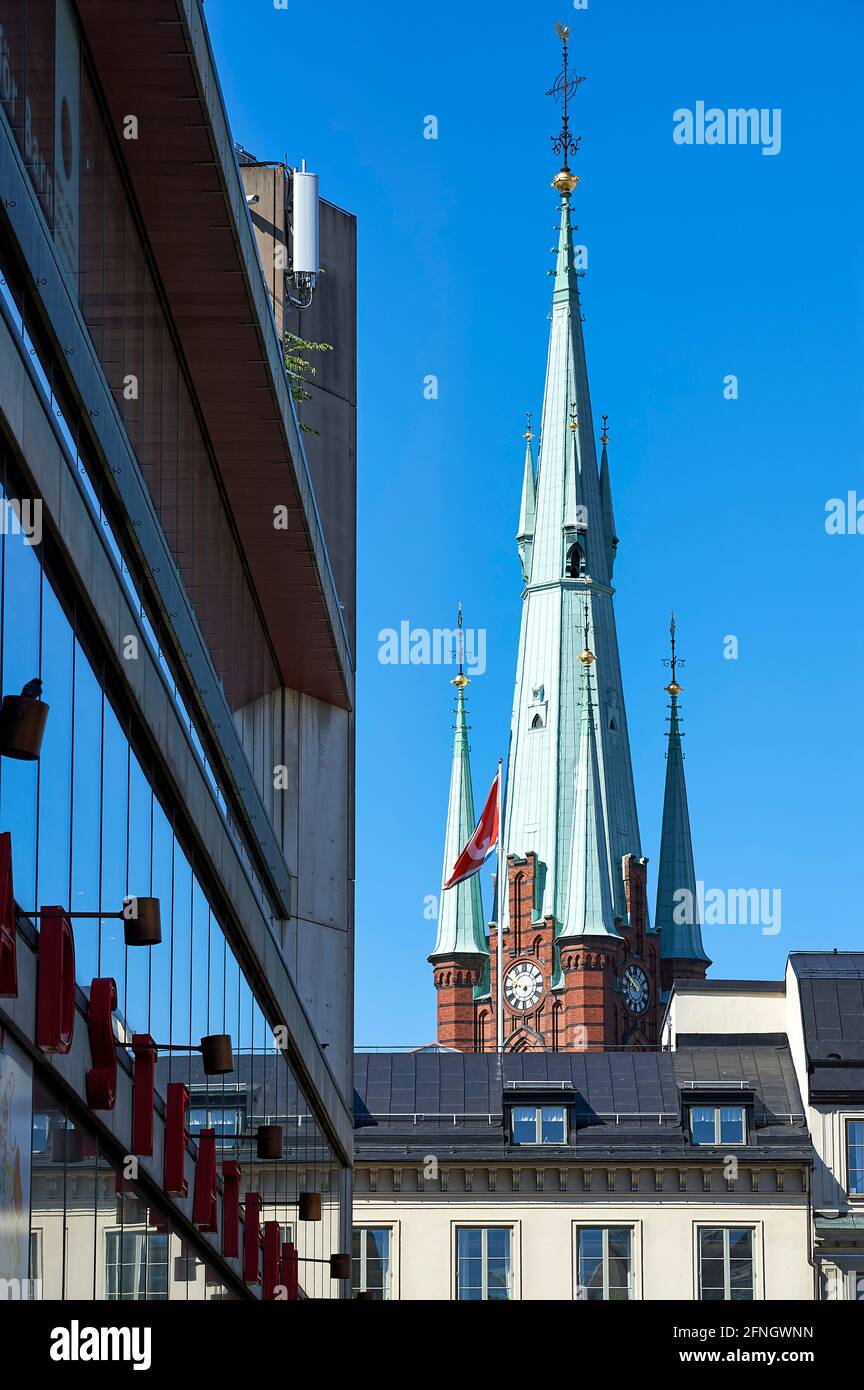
x: 55, y: 763
x: 20, y: 663
x: 136, y: 1265
x: 732, y: 1124
x: 86, y: 808
x: 553, y: 1130
x: 740, y: 1244
x: 48, y: 1190
x: 524, y: 1124
x: 702, y: 1120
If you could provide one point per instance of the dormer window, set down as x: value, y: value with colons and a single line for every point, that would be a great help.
x: 718, y: 1124
x: 539, y: 1124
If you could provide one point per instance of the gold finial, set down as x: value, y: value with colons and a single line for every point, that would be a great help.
x: 673, y: 662
x: 460, y: 680
x: 587, y: 657
x: 529, y: 433
x: 574, y: 422
x: 604, y: 438
x: 564, y: 143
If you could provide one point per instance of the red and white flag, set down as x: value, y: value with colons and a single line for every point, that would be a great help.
x: 482, y: 842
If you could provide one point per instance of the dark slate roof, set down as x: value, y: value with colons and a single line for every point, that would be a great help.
x: 623, y: 1103
x: 831, y: 986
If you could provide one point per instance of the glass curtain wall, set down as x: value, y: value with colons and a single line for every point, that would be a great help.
x: 91, y: 825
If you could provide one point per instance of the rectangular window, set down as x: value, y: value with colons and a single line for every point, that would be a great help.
x: 539, y: 1124
x: 855, y: 1156
x: 604, y: 1264
x: 371, y: 1262
x: 228, y: 1122
x: 483, y: 1270
x: 136, y: 1265
x: 718, y: 1124
x: 726, y: 1264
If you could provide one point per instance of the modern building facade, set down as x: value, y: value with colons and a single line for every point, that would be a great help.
x: 176, y: 858
x: 649, y: 1175
x: 583, y: 966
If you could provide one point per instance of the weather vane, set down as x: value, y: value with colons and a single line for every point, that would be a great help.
x: 673, y: 661
x: 565, y: 144
x: 460, y: 680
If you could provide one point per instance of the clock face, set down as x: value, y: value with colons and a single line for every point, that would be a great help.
x: 523, y: 985
x: 637, y: 990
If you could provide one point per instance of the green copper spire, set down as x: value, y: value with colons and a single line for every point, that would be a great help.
x: 461, y: 930
x: 527, y: 510
x: 590, y: 910
x: 677, y: 917
x: 606, y: 508
x: 569, y: 588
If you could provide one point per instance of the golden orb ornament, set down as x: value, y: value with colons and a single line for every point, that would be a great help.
x: 565, y: 181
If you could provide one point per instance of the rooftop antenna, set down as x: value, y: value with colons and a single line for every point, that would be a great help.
x: 300, y: 280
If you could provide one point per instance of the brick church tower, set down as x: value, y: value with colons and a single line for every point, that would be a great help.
x: 583, y: 968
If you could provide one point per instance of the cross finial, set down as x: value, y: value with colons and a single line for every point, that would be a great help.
x: 529, y: 433
x: 604, y: 438
x: 673, y: 662
x: 574, y: 420
x: 460, y: 680
x: 564, y: 143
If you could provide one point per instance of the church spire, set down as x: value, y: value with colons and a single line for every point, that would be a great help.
x: 570, y: 572
x: 527, y: 510
x: 606, y: 508
x: 461, y: 929
x: 677, y: 917
x: 590, y: 910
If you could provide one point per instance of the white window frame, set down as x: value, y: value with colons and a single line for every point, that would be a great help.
x: 605, y: 1227
x: 140, y: 1233
x: 537, y: 1141
x: 732, y: 1143
x: 485, y: 1227
x: 755, y: 1250
x: 847, y: 1118
x: 388, y: 1277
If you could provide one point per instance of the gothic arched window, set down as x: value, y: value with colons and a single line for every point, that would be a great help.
x: 575, y: 561
x: 537, y: 722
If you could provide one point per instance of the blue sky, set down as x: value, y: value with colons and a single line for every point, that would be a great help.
x: 703, y: 261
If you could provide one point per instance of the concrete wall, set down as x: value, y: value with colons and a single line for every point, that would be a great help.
x: 307, y: 747
x: 701, y: 1011
x: 331, y: 414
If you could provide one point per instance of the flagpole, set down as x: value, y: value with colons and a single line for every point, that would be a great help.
x: 499, y: 956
